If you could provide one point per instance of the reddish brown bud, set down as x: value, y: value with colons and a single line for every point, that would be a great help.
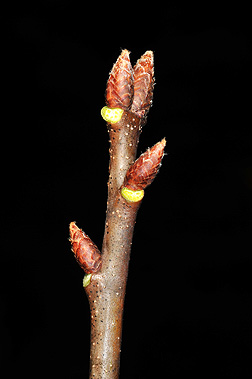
x: 86, y: 252
x: 143, y: 84
x: 143, y: 171
x: 120, y: 83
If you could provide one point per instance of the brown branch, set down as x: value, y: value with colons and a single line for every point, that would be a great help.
x: 106, y: 290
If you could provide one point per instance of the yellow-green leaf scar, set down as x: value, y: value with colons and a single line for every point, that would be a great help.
x: 132, y: 196
x: 111, y: 115
x: 87, y: 280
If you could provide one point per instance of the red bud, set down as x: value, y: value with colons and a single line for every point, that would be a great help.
x: 143, y: 171
x: 120, y: 83
x: 143, y: 84
x: 131, y: 89
x: 86, y: 252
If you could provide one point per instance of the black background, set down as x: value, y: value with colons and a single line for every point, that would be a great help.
x: 189, y: 296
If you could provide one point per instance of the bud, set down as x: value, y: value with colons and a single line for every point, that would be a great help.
x: 143, y: 171
x: 143, y: 84
x: 119, y: 90
x: 131, y: 89
x: 86, y: 252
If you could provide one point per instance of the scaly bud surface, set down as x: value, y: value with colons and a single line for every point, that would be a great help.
x: 86, y: 252
x: 119, y: 90
x: 143, y: 171
x: 143, y: 84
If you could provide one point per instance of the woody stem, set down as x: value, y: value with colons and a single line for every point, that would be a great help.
x: 106, y: 291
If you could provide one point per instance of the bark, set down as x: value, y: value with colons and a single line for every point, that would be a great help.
x: 107, y: 289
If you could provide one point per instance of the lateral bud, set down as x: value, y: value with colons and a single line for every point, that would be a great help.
x: 86, y: 252
x: 142, y: 173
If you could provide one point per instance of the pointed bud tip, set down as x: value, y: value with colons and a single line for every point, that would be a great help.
x: 149, y: 54
x: 123, y: 60
x: 158, y: 147
x: 157, y: 151
x: 73, y: 227
x: 147, y: 59
x: 163, y: 142
x: 125, y: 54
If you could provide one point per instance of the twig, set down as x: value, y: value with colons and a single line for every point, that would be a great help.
x: 128, y: 97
